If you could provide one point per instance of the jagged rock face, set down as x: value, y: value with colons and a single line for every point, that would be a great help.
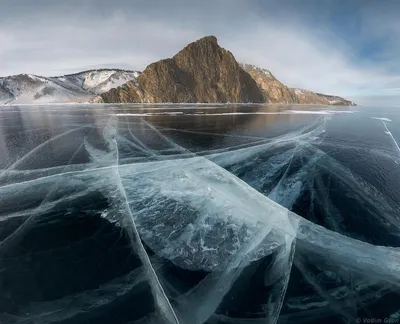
x: 273, y: 90
x: 129, y: 92
x: 164, y: 81
x: 205, y: 72
x: 201, y: 72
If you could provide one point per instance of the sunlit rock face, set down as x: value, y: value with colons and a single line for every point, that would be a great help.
x: 204, y: 72
x: 201, y: 72
x: 273, y: 90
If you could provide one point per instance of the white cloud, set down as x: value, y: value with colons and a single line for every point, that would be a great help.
x: 301, y: 57
x: 298, y: 53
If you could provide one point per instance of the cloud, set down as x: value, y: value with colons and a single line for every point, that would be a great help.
x: 297, y: 43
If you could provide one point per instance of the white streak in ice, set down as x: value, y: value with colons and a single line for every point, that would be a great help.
x: 37, y: 148
x: 162, y: 300
x: 38, y: 210
x: 391, y: 135
x: 383, y: 120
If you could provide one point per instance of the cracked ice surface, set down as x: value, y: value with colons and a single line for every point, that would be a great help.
x: 221, y: 213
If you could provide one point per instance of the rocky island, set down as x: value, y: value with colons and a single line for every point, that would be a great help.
x: 204, y: 72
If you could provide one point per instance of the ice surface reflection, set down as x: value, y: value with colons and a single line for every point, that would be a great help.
x: 207, y: 237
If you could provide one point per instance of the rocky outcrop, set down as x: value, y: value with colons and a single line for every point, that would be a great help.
x: 337, y: 101
x: 307, y: 97
x: 205, y: 72
x: 128, y: 92
x: 201, y: 72
x: 273, y: 90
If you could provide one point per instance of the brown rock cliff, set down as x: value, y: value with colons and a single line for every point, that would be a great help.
x: 201, y: 72
x: 273, y: 90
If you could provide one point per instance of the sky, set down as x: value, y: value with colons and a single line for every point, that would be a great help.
x: 344, y: 47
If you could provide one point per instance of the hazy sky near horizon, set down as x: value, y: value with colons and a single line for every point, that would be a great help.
x: 342, y: 47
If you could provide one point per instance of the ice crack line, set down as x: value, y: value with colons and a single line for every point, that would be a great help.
x: 21, y: 229
x: 390, y: 134
x: 162, y: 299
x: 37, y: 148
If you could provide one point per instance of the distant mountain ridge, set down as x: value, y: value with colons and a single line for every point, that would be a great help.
x: 201, y: 72
x: 204, y: 72
x: 77, y: 87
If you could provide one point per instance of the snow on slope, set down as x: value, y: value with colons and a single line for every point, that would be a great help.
x: 101, y: 82
x: 83, y: 86
x: 249, y: 67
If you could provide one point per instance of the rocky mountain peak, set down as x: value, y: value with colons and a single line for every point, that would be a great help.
x: 201, y: 72
x: 203, y: 42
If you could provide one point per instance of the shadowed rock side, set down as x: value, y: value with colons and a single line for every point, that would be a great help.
x: 201, y: 72
x: 128, y: 92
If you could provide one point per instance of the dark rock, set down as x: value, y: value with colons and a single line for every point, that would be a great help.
x: 128, y: 92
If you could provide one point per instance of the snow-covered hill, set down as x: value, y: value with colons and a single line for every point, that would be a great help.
x: 79, y: 87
